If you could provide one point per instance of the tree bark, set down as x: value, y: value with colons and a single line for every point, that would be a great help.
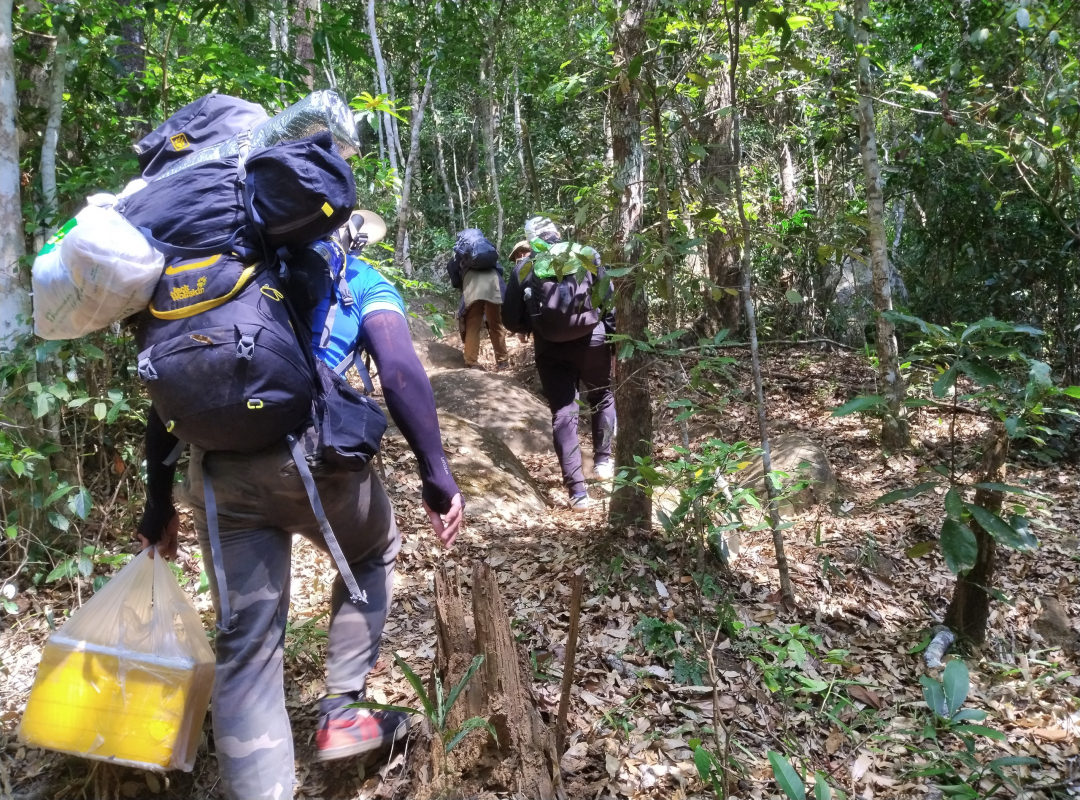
x: 279, y: 42
x: 463, y: 202
x: 303, y: 21
x: 52, y: 129
x: 524, y: 760
x: 15, y: 312
x: 440, y: 161
x: 400, y: 250
x: 786, y: 591
x: 894, y: 429
x: 788, y: 190
x: 487, y: 128
x: 969, y: 609
x: 718, y: 182
x: 386, y: 127
x: 629, y: 505
x: 131, y: 55
x: 663, y: 201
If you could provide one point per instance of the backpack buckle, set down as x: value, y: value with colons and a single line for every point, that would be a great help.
x: 245, y: 348
x: 146, y: 370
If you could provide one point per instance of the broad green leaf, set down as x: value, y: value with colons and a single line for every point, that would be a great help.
x: 969, y: 715
x: 1023, y: 18
x: 86, y: 567
x: 980, y: 730
x: 980, y: 373
x: 1004, y: 487
x: 787, y: 777
x: 920, y: 549
x: 933, y: 694
x: 703, y: 761
x: 58, y: 520
x: 1072, y: 391
x: 793, y: 297
x: 956, y: 684
x: 859, y: 404
x: 822, y: 790
x: 57, y: 493
x: 471, y: 725
x: 904, y: 494
x: 945, y: 382
x: 453, y: 696
x: 42, y: 404
x: 1000, y: 529
x: 65, y: 569
x: 385, y: 707
x: 954, y: 504
x: 100, y: 410
x: 1013, y: 761
x: 418, y: 687
x: 958, y: 546
x: 81, y: 503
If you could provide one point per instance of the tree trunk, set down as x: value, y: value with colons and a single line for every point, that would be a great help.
x: 718, y: 182
x: 969, y: 609
x: 487, y: 127
x: 303, y: 21
x: 279, y: 43
x: 523, y: 761
x: 440, y: 162
x: 463, y: 201
x: 786, y: 591
x: 663, y: 201
x: 386, y: 127
x: 15, y: 312
x: 52, y: 128
x: 400, y: 250
x: 788, y: 190
x: 395, y: 131
x: 131, y: 55
x: 633, y: 402
x: 894, y: 429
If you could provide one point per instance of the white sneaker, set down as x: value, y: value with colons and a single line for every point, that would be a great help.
x: 604, y: 470
x: 580, y: 503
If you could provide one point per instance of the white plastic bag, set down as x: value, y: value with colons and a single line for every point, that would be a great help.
x: 128, y: 678
x: 97, y: 270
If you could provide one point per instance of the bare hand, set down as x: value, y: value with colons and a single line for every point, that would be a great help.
x: 166, y: 545
x: 447, y: 526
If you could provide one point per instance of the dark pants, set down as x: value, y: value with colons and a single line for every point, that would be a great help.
x: 562, y: 365
x: 261, y: 503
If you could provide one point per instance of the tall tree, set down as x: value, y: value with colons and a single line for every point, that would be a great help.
x: 400, y: 249
x: 303, y: 22
x: 629, y: 505
x: 894, y: 432
x: 380, y: 70
x: 52, y: 126
x: 487, y: 128
x: 14, y: 299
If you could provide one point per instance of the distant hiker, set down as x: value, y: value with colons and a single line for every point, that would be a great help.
x: 521, y: 250
x: 571, y: 348
x: 260, y: 499
x: 475, y: 269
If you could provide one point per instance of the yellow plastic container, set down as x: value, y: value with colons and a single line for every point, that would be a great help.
x: 128, y: 677
x: 130, y: 708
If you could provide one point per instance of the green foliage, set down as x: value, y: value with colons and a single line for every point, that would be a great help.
x: 437, y: 708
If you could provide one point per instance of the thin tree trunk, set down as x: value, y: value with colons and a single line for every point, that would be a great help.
x: 894, y: 429
x: 664, y: 202
x: 487, y: 127
x: 519, y: 144
x: 400, y: 250
x: 52, y: 129
x: 414, y: 103
x: 131, y: 56
x: 279, y: 43
x: 530, y: 165
x: 718, y: 174
x: 788, y: 191
x: 303, y: 21
x: 462, y: 202
x: 395, y: 131
x: 15, y: 313
x: 440, y: 161
x: 969, y: 609
x: 386, y: 128
x: 630, y: 506
x: 786, y: 591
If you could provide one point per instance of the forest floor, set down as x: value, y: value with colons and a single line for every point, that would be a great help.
x: 864, y: 607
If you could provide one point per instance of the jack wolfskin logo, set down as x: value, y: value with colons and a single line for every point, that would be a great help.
x: 179, y: 141
x: 185, y: 291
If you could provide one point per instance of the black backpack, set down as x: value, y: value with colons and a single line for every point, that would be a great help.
x: 471, y: 251
x: 559, y: 310
x: 202, y: 123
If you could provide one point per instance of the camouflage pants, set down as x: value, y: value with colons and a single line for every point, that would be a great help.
x: 261, y: 502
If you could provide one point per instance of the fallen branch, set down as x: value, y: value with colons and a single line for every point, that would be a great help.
x: 568, y: 663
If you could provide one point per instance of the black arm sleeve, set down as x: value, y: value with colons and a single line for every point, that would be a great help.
x: 515, y: 317
x: 411, y: 402
x: 159, y: 478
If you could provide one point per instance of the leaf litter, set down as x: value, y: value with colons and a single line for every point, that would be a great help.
x: 636, y: 709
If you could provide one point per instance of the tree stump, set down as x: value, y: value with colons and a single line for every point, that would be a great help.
x: 524, y: 761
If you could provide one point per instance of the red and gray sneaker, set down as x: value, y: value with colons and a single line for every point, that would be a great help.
x: 347, y: 732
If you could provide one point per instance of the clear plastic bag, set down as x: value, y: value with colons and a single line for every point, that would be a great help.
x: 95, y: 271
x: 128, y: 678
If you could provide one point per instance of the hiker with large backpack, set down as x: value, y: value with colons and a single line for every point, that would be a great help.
x: 571, y: 347
x: 258, y: 314
x: 474, y: 268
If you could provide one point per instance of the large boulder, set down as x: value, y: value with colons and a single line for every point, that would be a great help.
x: 436, y: 356
x: 492, y: 479
x: 498, y: 403
x: 803, y: 460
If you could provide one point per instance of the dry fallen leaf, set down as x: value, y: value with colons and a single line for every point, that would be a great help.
x: 864, y: 695
x: 1051, y: 734
x: 834, y: 740
x: 859, y: 768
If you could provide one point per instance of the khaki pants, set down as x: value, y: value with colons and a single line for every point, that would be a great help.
x: 474, y: 318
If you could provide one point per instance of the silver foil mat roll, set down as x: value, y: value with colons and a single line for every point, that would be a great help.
x: 319, y: 111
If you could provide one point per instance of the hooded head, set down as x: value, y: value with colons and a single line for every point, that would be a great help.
x: 542, y: 228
